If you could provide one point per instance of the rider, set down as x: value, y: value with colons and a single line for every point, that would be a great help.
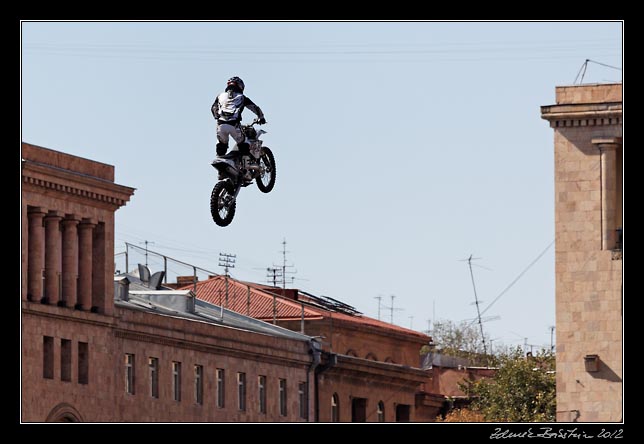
x: 227, y: 110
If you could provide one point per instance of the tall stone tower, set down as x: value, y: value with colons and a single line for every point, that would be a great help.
x: 587, y: 121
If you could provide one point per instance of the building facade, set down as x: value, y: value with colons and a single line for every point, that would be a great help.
x: 93, y: 354
x: 587, y: 124
x: 369, y: 370
x: 103, y: 348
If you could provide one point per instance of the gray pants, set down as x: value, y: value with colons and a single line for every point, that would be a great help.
x: 224, y: 133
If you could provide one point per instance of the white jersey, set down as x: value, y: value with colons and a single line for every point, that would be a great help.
x: 229, y: 105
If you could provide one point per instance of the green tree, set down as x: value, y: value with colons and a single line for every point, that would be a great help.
x: 522, y: 389
x: 461, y: 340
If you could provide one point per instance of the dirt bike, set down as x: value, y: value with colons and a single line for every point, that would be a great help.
x: 237, y: 171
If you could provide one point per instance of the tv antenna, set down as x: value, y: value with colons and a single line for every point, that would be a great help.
x: 392, y: 309
x: 584, y: 66
x: 146, y: 242
x: 476, y: 300
x: 227, y: 261
x: 279, y: 272
x: 274, y: 275
x: 379, y: 297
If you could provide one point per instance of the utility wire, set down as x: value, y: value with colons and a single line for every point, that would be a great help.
x: 584, y: 66
x: 515, y: 280
x: 604, y: 64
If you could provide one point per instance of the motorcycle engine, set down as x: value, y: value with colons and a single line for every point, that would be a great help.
x: 251, y: 133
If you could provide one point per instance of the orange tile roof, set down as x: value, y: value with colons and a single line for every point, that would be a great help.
x: 365, y: 320
x: 213, y: 290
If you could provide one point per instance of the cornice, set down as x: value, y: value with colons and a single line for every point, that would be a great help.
x: 575, y: 115
x: 67, y: 314
x: 206, y: 348
x: 74, y: 184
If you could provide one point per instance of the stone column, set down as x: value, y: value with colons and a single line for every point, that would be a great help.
x: 85, y: 230
x: 607, y: 150
x: 70, y: 260
x: 36, y: 246
x: 52, y: 258
x: 98, y: 269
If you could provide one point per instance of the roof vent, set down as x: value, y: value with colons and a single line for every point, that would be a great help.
x: 155, y: 280
x: 144, y: 273
x: 122, y: 288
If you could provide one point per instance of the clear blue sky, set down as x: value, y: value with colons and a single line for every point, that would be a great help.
x: 401, y: 149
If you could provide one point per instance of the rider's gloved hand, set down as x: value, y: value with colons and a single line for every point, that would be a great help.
x: 261, y: 121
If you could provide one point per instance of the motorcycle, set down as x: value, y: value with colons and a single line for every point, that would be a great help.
x: 237, y: 171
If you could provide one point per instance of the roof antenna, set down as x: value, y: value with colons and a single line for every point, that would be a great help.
x: 583, y: 68
x: 282, y: 268
x: 582, y: 71
x: 476, y: 301
x: 227, y: 261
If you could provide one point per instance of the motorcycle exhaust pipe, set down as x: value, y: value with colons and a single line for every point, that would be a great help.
x: 225, y: 168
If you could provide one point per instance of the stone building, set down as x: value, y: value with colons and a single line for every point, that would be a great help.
x: 103, y: 348
x: 94, y: 351
x: 587, y: 124
x: 369, y: 369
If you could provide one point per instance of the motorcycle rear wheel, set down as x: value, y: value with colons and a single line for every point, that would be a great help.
x: 266, y: 181
x: 222, y: 203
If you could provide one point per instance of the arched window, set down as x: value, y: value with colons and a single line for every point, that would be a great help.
x: 64, y: 412
x: 335, y: 408
x: 381, y: 411
x: 371, y: 356
x: 351, y: 352
x: 388, y: 359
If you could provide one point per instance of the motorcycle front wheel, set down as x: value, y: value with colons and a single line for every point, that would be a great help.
x: 266, y: 179
x: 222, y: 203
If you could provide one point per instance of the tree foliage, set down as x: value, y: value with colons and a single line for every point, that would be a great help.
x: 462, y: 415
x: 522, y: 389
x: 460, y: 340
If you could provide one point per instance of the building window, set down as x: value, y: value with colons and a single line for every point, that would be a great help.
x: 402, y: 413
x: 153, y: 364
x: 381, y: 411
x: 358, y: 409
x: 221, y: 388
x: 129, y: 373
x: 48, y: 357
x: 83, y: 362
x: 261, y: 385
x: 65, y: 360
x: 303, y: 398
x: 199, y: 384
x: 282, y: 392
x: 335, y: 408
x: 611, y: 193
x: 176, y: 381
x: 241, y: 391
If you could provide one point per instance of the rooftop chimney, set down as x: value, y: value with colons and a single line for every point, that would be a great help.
x: 182, y: 281
x: 121, y: 288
